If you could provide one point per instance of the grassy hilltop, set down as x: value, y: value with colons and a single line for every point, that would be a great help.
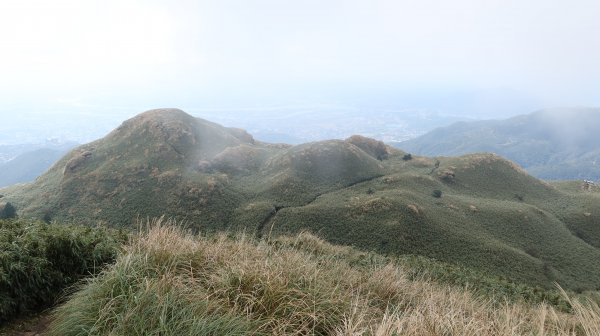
x: 479, y: 211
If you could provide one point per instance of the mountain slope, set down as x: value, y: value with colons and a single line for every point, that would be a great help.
x: 550, y: 144
x: 487, y: 213
x: 25, y: 162
x: 27, y: 166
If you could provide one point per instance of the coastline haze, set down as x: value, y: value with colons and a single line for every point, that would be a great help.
x: 87, y: 66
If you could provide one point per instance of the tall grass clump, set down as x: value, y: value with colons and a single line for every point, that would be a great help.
x: 167, y: 282
x: 38, y: 261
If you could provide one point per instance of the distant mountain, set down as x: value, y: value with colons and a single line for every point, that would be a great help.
x: 480, y: 211
x: 23, y: 163
x: 27, y: 166
x: 10, y: 152
x: 554, y: 144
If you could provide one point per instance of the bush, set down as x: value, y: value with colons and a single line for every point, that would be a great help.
x: 447, y: 175
x: 37, y: 261
x: 8, y: 211
x: 437, y: 193
x: 407, y: 157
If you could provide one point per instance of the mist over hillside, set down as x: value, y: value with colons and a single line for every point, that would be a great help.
x: 554, y: 144
x: 332, y: 168
x: 480, y: 211
x: 25, y: 162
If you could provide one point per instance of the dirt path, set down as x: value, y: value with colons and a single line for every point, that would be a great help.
x: 29, y: 326
x: 267, y: 222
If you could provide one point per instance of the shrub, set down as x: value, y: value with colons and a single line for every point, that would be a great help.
x: 447, y: 175
x: 407, y: 157
x: 8, y: 211
x: 437, y: 193
x: 37, y: 261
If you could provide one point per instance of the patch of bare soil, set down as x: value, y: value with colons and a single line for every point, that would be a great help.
x: 27, y: 326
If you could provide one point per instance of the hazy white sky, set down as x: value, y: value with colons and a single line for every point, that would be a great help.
x: 169, y: 52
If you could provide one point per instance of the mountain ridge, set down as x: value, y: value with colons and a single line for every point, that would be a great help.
x: 551, y: 144
x: 480, y: 211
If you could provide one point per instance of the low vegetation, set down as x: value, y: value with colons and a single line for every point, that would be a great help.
x: 486, y: 214
x: 167, y: 282
x: 38, y: 261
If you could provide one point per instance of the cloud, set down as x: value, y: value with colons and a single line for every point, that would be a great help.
x: 174, y: 49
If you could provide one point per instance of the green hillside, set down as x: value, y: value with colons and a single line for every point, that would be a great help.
x: 479, y: 211
x: 552, y: 144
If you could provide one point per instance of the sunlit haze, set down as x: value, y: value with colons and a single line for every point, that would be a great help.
x: 104, y: 61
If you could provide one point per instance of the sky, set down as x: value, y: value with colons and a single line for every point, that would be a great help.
x: 118, y: 57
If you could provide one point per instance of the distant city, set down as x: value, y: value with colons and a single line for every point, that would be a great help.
x: 389, y: 116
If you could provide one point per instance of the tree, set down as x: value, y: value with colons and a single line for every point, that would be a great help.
x: 407, y: 157
x: 8, y: 211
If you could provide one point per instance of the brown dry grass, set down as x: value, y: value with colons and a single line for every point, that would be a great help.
x: 289, y: 286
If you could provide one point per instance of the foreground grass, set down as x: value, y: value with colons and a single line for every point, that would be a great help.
x: 169, y: 283
x: 37, y: 261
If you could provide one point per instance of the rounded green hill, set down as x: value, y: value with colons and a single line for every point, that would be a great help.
x: 490, y: 214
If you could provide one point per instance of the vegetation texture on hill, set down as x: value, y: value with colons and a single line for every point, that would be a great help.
x: 38, y: 261
x: 560, y: 144
x: 478, y: 211
x: 166, y: 282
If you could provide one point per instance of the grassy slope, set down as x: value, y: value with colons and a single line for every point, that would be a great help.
x: 491, y: 216
x: 552, y: 144
x: 142, y: 165
x: 479, y: 221
x: 169, y: 283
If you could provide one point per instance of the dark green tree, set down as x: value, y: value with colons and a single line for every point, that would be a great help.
x: 8, y: 211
